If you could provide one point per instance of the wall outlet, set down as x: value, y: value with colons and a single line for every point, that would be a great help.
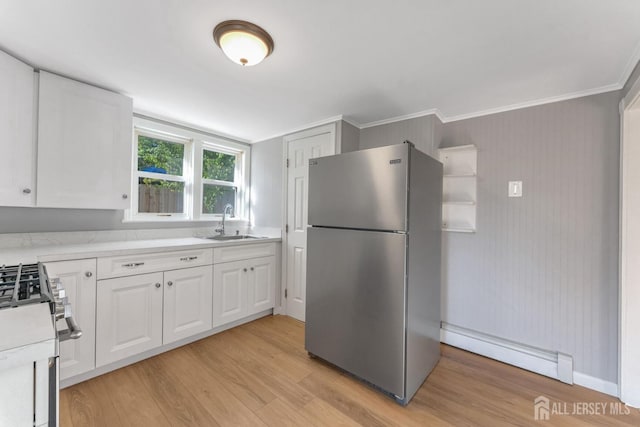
x: 515, y: 188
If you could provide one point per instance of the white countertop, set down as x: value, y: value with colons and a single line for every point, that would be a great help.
x: 64, y: 252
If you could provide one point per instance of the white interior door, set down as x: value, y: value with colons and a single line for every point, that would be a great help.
x: 629, y: 375
x: 301, y: 147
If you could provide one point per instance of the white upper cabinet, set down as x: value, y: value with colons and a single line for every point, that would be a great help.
x: 17, y: 175
x: 84, y: 145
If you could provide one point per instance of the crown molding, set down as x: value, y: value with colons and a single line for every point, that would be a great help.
x: 534, y: 103
x: 430, y: 112
x: 303, y: 127
x: 626, y: 73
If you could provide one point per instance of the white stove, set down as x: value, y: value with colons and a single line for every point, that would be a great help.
x: 30, y: 304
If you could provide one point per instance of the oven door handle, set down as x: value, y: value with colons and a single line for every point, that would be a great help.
x: 72, y: 333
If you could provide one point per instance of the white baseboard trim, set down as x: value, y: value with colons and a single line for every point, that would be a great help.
x: 596, y: 384
x: 532, y: 359
x: 552, y: 364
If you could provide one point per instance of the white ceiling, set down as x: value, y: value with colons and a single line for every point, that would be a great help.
x: 368, y: 60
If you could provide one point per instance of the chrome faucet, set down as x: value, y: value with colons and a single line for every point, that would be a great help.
x: 227, y: 207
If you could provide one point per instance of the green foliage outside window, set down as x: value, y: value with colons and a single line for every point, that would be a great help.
x: 221, y: 167
x: 156, y: 155
x: 218, y: 166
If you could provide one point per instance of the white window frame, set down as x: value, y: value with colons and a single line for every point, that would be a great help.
x: 238, y: 179
x: 195, y: 143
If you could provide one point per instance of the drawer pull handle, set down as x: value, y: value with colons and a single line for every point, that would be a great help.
x: 88, y: 274
x: 133, y: 264
x: 188, y: 258
x: 170, y: 283
x: 245, y: 270
x: 158, y: 285
x: 251, y: 268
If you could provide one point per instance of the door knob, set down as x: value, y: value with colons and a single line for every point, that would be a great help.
x: 251, y: 268
x: 27, y: 191
x: 88, y: 274
x: 244, y: 269
x: 170, y: 283
x: 125, y: 196
x: 158, y: 285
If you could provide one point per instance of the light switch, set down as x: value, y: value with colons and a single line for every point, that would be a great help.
x: 515, y: 188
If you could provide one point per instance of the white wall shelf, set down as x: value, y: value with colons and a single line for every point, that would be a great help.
x: 459, y: 230
x: 459, y: 202
x: 459, y: 188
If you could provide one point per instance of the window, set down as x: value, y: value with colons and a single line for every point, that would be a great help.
x: 160, y: 174
x: 219, y: 181
x: 186, y: 175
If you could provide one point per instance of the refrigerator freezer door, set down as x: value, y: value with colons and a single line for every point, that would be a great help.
x: 363, y: 189
x: 356, y: 303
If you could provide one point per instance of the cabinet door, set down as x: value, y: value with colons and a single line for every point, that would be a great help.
x: 129, y: 316
x: 229, y: 292
x: 84, y: 145
x: 262, y: 284
x: 17, y: 175
x: 79, y: 281
x: 187, y: 302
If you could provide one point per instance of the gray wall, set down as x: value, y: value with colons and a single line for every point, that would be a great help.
x: 419, y: 130
x: 266, y: 183
x: 542, y: 269
x: 349, y: 136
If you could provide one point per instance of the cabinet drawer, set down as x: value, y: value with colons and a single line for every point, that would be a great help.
x: 240, y: 252
x: 128, y: 265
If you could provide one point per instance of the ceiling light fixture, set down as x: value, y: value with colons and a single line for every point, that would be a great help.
x: 243, y: 42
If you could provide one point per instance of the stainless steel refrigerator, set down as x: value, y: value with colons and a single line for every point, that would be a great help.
x: 373, y: 265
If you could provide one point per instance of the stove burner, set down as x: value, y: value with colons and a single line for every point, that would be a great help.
x: 22, y: 284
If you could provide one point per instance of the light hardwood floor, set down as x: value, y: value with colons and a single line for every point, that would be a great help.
x: 259, y: 374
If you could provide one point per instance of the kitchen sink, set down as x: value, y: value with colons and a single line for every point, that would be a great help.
x: 235, y: 237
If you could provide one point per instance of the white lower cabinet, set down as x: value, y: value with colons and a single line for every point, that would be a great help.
x: 229, y: 292
x: 129, y: 316
x: 242, y: 288
x: 78, y: 277
x: 138, y: 313
x: 187, y: 302
x: 122, y: 315
x: 262, y: 284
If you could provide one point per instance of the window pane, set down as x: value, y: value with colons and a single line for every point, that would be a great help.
x: 216, y: 197
x: 156, y: 155
x: 218, y: 166
x: 158, y: 196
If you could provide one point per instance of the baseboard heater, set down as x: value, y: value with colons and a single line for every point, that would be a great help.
x: 549, y: 363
